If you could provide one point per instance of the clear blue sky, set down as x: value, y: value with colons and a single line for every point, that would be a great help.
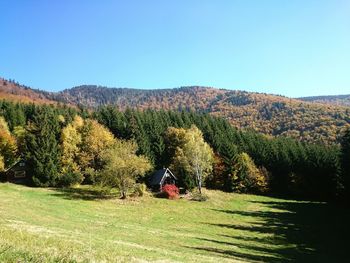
x: 288, y: 47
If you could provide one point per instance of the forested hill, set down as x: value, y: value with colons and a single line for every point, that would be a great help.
x: 340, y: 100
x: 269, y: 114
x: 12, y: 90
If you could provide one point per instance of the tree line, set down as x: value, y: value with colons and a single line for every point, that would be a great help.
x: 66, y: 145
x: 265, y: 113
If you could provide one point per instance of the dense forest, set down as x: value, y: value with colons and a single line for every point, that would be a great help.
x: 268, y: 114
x: 341, y: 100
x: 64, y: 145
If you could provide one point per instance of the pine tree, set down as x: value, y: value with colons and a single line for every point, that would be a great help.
x: 42, y: 150
x: 345, y: 161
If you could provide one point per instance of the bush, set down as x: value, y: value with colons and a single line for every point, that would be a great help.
x: 70, y: 179
x: 197, y: 196
x: 140, y: 190
x: 170, y: 191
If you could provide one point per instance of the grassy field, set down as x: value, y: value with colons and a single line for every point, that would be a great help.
x: 49, y: 225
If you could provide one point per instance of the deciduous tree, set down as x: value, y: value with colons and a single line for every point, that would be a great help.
x: 71, y: 139
x: 2, y: 164
x: 192, y: 156
x: 8, y: 144
x: 96, y: 139
x: 83, y: 144
x: 246, y: 176
x: 122, y: 166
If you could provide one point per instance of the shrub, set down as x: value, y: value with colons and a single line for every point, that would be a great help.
x: 170, y: 191
x: 140, y: 190
x: 70, y: 179
x: 197, y: 196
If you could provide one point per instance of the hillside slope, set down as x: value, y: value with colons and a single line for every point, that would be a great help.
x: 269, y: 114
x: 340, y: 100
x: 13, y: 91
x: 78, y: 225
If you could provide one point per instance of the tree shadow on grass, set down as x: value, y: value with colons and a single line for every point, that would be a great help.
x: 284, y: 231
x: 84, y: 193
x: 236, y: 255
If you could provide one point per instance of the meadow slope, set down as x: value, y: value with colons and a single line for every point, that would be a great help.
x: 49, y: 225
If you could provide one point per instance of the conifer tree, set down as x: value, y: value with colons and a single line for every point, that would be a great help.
x: 345, y: 161
x: 42, y: 150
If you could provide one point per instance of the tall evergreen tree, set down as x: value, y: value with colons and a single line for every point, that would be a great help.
x: 345, y: 159
x: 42, y: 150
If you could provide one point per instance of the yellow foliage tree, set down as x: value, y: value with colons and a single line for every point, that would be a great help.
x: 70, y: 143
x: 199, y: 155
x: 3, y: 125
x: 96, y: 139
x: 83, y: 143
x: 20, y: 133
x: 122, y: 166
x: 2, y: 164
x: 246, y: 176
x: 192, y: 158
x: 8, y: 144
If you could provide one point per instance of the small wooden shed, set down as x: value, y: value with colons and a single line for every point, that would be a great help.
x: 16, y: 173
x: 162, y: 177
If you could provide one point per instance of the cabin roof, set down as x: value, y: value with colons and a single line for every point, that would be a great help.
x: 158, y: 176
x: 15, y: 164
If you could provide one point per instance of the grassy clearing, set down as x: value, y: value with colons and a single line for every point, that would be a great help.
x: 48, y: 225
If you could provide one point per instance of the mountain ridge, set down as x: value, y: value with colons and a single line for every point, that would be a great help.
x: 339, y: 100
x: 323, y: 99
x: 273, y: 115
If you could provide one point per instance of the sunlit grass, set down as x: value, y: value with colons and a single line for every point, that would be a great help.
x: 48, y: 225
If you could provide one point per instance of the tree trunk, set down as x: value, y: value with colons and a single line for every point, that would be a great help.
x: 123, y: 195
x: 200, y: 186
x: 199, y: 180
x: 123, y: 190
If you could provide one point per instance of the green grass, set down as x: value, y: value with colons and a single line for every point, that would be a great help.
x: 48, y: 225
